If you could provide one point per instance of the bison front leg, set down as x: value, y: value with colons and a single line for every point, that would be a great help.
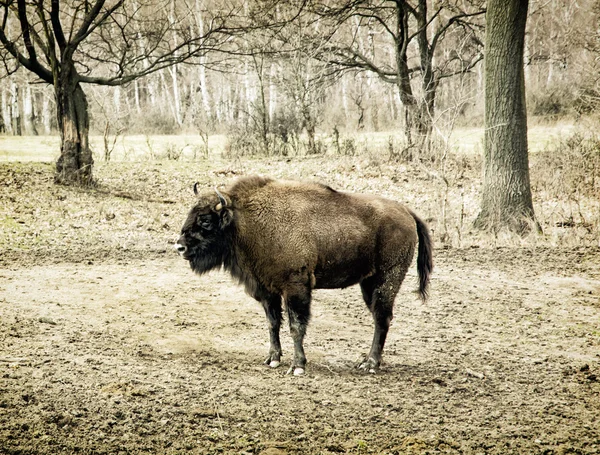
x: 298, y: 308
x: 272, y: 306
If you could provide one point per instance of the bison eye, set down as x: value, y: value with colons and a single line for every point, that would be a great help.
x: 205, y: 222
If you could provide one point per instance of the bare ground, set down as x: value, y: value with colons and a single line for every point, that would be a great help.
x: 109, y: 343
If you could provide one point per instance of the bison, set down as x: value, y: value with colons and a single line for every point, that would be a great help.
x: 281, y: 239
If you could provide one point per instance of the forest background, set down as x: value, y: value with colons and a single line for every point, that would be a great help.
x: 312, y: 84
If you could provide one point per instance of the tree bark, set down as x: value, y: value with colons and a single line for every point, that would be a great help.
x: 74, y: 166
x: 429, y: 83
x: 506, y: 194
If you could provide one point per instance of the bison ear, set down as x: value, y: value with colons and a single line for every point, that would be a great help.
x: 223, y: 209
x: 225, y: 217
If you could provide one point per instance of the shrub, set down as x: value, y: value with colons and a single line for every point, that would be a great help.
x: 566, y: 178
x: 570, y: 169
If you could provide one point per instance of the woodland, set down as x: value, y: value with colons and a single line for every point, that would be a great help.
x: 480, y: 116
x: 278, y: 77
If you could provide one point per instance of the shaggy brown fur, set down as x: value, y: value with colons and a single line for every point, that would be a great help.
x: 282, y: 239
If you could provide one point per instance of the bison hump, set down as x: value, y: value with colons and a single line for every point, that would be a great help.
x: 248, y: 184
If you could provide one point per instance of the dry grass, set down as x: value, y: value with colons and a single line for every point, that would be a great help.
x: 143, y: 148
x: 444, y: 191
x: 127, y: 148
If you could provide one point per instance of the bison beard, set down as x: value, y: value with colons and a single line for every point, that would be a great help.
x: 282, y: 239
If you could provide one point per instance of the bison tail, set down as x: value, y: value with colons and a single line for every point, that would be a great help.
x: 424, y: 257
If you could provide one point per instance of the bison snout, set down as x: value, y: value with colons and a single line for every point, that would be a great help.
x: 181, y: 249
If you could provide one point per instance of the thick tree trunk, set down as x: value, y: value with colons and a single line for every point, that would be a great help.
x: 74, y: 166
x: 417, y: 121
x: 418, y: 114
x: 506, y: 195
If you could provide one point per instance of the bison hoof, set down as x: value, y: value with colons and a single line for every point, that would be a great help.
x: 369, y: 365
x: 298, y: 371
x: 273, y: 363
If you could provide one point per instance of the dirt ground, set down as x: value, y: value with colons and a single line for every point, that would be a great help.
x: 109, y: 344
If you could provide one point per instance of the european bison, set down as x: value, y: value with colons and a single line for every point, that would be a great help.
x: 282, y: 239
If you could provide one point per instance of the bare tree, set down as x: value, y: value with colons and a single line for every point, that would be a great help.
x: 105, y: 42
x: 377, y: 36
x: 303, y: 78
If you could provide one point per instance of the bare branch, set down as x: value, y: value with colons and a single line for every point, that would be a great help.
x: 32, y: 65
x: 439, y: 34
x: 88, y: 26
x: 57, y: 26
x: 25, y: 29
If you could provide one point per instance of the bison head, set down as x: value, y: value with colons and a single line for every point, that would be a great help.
x: 205, y: 235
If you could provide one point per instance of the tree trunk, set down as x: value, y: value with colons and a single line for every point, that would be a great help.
x: 15, y: 110
x: 272, y: 92
x: 428, y: 81
x: 74, y: 166
x: 176, y: 96
x: 417, y: 124
x: 206, y: 98
x: 506, y: 195
x: 262, y: 122
x: 136, y: 96
x: 2, y: 118
x: 117, y: 101
x: 29, y: 112
x: 46, y: 114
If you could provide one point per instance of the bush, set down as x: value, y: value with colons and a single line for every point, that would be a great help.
x: 587, y: 101
x: 242, y: 141
x: 566, y: 179
x: 569, y: 169
x: 553, y: 104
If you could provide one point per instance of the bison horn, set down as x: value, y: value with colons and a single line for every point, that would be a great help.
x: 222, y: 202
x: 196, y: 188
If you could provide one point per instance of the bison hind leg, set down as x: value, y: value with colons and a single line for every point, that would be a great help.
x: 379, y: 292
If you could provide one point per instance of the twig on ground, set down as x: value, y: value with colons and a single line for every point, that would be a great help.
x: 474, y: 374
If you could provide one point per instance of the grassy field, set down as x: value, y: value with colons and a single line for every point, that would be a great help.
x: 156, y: 147
x: 126, y: 148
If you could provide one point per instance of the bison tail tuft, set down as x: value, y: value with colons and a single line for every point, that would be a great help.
x: 424, y: 257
